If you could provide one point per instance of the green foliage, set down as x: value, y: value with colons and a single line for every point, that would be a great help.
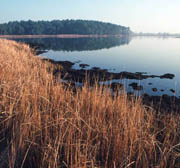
x: 61, y: 27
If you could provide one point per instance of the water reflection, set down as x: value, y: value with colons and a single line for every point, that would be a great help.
x: 155, y: 56
x: 76, y: 44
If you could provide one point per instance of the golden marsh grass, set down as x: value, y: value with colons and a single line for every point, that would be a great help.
x: 44, y: 125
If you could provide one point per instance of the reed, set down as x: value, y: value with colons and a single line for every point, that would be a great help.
x: 47, y: 125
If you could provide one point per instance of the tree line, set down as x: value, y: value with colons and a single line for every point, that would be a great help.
x: 62, y: 27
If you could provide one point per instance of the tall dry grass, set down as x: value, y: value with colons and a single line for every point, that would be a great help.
x: 44, y: 125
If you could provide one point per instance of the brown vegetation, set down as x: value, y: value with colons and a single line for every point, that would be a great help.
x: 43, y: 124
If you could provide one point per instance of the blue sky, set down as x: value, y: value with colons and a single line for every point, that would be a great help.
x: 139, y: 15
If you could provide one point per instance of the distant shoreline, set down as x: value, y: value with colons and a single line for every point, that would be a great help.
x: 59, y: 36
x: 76, y: 36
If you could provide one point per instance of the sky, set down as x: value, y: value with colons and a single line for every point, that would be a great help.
x: 140, y: 15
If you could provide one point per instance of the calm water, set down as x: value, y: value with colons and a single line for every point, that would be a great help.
x: 155, y: 56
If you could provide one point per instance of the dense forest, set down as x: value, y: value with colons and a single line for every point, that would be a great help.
x: 62, y: 27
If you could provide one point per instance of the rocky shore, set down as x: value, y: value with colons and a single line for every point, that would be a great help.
x: 102, y: 74
x: 164, y: 103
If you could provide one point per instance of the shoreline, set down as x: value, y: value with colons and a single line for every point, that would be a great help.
x: 72, y: 77
x: 61, y: 36
x: 77, y: 36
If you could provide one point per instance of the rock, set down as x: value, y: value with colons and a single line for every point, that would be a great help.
x: 83, y: 65
x: 154, y: 89
x: 163, y: 104
x: 172, y: 90
x: 38, y: 52
x: 140, y: 73
x: 167, y: 76
x: 135, y: 86
x: 65, y: 64
x: 95, y: 68
x: 116, y: 86
x: 130, y: 75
